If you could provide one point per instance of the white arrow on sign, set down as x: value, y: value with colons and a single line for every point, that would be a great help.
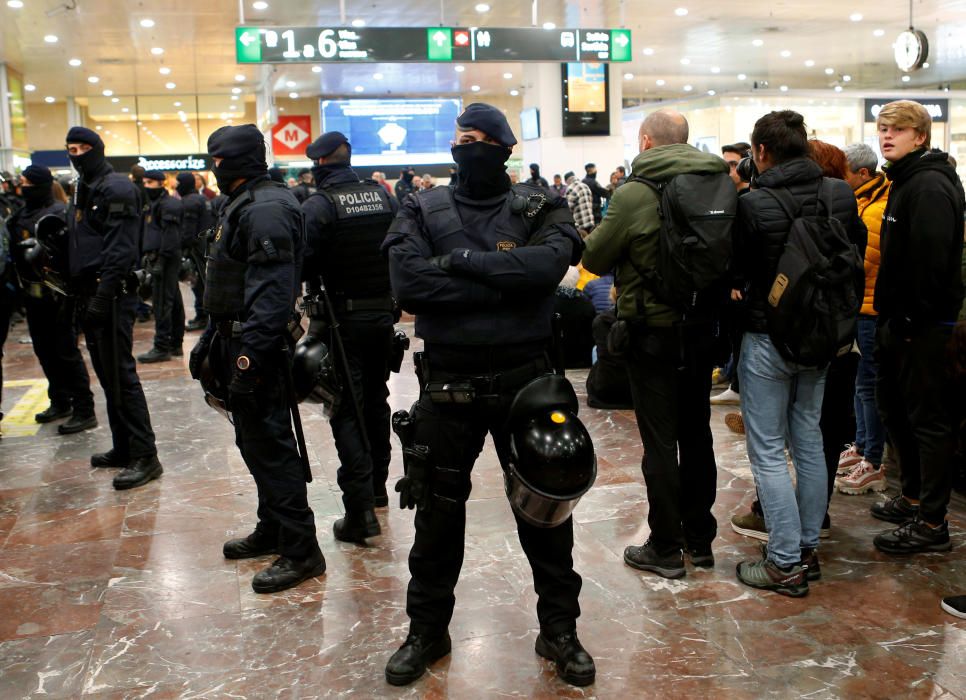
x: 621, y: 40
x: 439, y: 38
x: 246, y: 39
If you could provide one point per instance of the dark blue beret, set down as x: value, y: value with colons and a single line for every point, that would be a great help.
x: 186, y: 179
x: 325, y: 144
x: 154, y: 175
x: 489, y: 120
x: 236, y: 141
x: 81, y: 134
x: 38, y: 174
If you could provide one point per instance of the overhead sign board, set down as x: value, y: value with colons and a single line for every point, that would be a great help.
x: 938, y: 109
x: 429, y: 44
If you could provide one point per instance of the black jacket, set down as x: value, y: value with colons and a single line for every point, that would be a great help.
x: 761, y: 229
x: 920, y: 280
x: 598, y: 193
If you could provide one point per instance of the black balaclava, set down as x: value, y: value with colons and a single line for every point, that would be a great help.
x: 92, y: 163
x: 534, y: 171
x: 242, y: 150
x: 40, y: 193
x: 323, y: 147
x: 482, y: 169
x: 408, y: 175
x: 186, y: 184
x: 154, y: 193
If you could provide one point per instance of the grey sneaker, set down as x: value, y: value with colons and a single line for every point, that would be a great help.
x: 768, y: 576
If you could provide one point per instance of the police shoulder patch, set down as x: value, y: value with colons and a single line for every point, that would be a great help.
x: 505, y: 245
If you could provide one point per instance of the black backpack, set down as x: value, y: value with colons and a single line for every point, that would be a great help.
x: 813, y: 303
x: 697, y: 215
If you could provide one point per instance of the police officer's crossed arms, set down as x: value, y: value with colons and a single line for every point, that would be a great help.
x: 479, y: 265
x: 243, y: 358
x: 346, y: 221
x: 104, y: 221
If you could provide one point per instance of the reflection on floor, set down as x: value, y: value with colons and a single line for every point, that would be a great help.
x: 125, y: 594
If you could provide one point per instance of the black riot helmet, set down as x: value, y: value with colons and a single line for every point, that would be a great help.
x: 215, y: 387
x: 42, y: 258
x: 552, y: 460
x: 313, y: 375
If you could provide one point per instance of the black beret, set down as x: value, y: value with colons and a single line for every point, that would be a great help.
x: 569, y: 174
x: 489, y: 120
x: 276, y: 175
x: 325, y: 144
x: 589, y: 166
x: 38, y: 174
x: 235, y: 141
x: 304, y: 171
x: 155, y: 175
x: 186, y: 179
x: 81, y: 134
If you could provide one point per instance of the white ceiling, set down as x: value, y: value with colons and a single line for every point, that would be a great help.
x: 198, y: 42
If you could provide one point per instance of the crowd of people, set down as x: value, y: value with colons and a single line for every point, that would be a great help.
x: 822, y: 293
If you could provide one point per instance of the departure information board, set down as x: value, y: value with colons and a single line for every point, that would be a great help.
x: 429, y: 44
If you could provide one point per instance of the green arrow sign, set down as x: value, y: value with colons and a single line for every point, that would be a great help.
x: 248, y: 45
x: 439, y: 43
x: 620, y: 44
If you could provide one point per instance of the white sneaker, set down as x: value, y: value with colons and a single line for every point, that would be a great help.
x: 726, y: 398
x: 863, y: 477
x: 848, y: 458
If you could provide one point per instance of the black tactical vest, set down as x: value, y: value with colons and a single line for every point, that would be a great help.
x: 353, y: 267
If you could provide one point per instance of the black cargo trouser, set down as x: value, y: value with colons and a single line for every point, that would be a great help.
x: 110, y: 345
x: 168, y: 304
x: 50, y: 320
x: 367, y: 339
x: 914, y: 395
x: 838, y: 412
x: 670, y: 382
x: 454, y: 434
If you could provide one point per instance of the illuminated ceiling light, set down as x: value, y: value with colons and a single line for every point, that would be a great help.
x: 549, y: 25
x: 459, y: 69
x: 925, y: 65
x: 685, y: 61
x: 74, y: 62
x: 29, y: 87
x: 783, y: 88
x: 786, y: 54
x: 838, y: 88
x: 482, y: 7
x: 15, y: 4
x: 878, y: 32
x: 377, y: 76
x: 49, y: 99
x: 293, y: 95
x: 514, y: 93
x: 856, y: 16
x: 475, y: 88
x: 289, y: 83
x: 236, y: 90
x: 757, y: 42
x: 742, y: 76
x: 125, y: 109
x: 259, y: 5
x: 99, y: 127
x: 906, y: 78
x: 93, y: 79
x: 316, y: 69
x: 177, y: 104
x: 681, y: 12
x: 829, y: 71
x: 847, y: 78
x: 115, y: 100
x: 164, y: 70
x: 660, y: 82
x: 688, y: 88
x: 154, y: 116
x: 157, y: 51
x: 712, y: 93
x: 234, y: 97
x: 358, y: 23
x: 359, y: 88
x: 170, y: 86
x: 51, y: 39
x: 107, y: 93
x: 508, y: 75
x: 240, y: 78
x: 809, y: 63
x: 628, y: 76
x: 147, y: 23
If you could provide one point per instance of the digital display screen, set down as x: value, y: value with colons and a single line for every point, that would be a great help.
x: 586, y: 100
x: 394, y: 132
x: 530, y: 123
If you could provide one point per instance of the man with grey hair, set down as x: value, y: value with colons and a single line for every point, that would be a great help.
x: 668, y: 362
x: 863, y: 165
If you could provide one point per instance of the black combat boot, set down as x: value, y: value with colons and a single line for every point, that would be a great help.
x: 141, y: 471
x: 574, y: 664
x: 155, y: 354
x: 380, y: 497
x: 257, y: 544
x: 198, y: 323
x: 109, y: 460
x: 411, y: 659
x: 285, y: 573
x: 80, y: 420
x: 356, y: 526
x: 53, y: 412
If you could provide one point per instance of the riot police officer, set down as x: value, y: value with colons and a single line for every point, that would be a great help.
x: 346, y: 221
x: 50, y: 314
x: 305, y: 187
x: 253, y: 281
x: 198, y: 218
x: 478, y: 265
x: 162, y: 255
x: 104, y: 221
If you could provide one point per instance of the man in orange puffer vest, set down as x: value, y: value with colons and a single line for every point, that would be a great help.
x: 860, y: 466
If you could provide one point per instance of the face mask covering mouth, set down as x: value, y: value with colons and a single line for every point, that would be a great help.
x: 36, y: 196
x: 88, y: 163
x: 153, y: 193
x: 482, y: 169
x: 225, y: 175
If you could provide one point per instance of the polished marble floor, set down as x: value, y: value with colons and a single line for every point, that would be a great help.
x: 108, y: 594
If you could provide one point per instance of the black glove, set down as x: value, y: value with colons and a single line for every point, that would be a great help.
x: 443, y: 262
x: 99, y: 310
x: 242, y: 398
x: 414, y: 488
x: 198, y: 354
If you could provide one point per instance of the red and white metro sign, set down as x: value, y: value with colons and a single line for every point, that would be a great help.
x: 291, y: 136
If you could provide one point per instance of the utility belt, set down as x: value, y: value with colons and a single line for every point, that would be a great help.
x: 229, y: 329
x: 87, y: 287
x: 444, y: 387
x: 383, y: 303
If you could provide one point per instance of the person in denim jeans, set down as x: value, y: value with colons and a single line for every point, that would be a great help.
x: 781, y: 400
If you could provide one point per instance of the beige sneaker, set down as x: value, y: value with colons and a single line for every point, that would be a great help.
x: 848, y: 458
x: 728, y: 397
x: 864, y: 477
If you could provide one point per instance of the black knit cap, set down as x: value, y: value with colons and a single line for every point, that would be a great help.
x: 243, y: 144
x: 325, y: 144
x: 81, y: 134
x: 489, y: 120
x: 155, y: 175
x: 277, y: 175
x: 186, y: 183
x: 38, y: 175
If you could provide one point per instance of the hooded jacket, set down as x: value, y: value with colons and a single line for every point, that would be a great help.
x: 872, y: 198
x: 630, y: 229
x: 920, y: 280
x: 761, y: 229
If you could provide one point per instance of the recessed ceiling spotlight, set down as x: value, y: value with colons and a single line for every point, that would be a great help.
x: 51, y: 38
x: 107, y: 93
x: 783, y: 88
x: 164, y: 70
x: 359, y: 88
x: 157, y: 51
x: 688, y: 88
x: 742, y: 76
x: 508, y: 75
x: 259, y: 5
x: 829, y: 71
x: 49, y: 99
x: 660, y: 82
x: 878, y: 32
x: 316, y: 69
x: 685, y: 61
x: 712, y: 93
x: 628, y: 76
x: 847, y: 78
x: 681, y: 12
x: 170, y: 86
x: 906, y: 78
x: 293, y: 95
x: 115, y: 100
x: 514, y: 93
x: 93, y: 79
x: 482, y: 7
x: 648, y: 51
x: 289, y: 83
x: 240, y: 78
x: 99, y: 127
x: 757, y: 42
x: 549, y: 25
x: 234, y: 98
x: 147, y: 23
x: 177, y: 104
x: 856, y: 16
x: 715, y: 69
x: 809, y: 63
x: 838, y: 88
x: 15, y: 4
x: 377, y: 76
x: 29, y: 87
x: 786, y: 54
x: 475, y: 88
x: 358, y: 23
x: 236, y: 90
x: 74, y: 62
x: 459, y: 69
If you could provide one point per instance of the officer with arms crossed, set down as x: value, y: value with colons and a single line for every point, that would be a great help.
x: 346, y: 221
x: 162, y: 246
x: 253, y: 281
x: 105, y: 227
x: 478, y: 265
x: 50, y: 314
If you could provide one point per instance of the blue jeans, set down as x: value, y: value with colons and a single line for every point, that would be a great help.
x: 781, y: 403
x: 870, y: 434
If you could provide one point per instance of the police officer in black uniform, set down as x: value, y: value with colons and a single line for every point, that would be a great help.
x: 104, y: 221
x: 253, y: 282
x: 198, y: 218
x: 50, y: 316
x: 478, y: 265
x: 305, y: 187
x: 10, y: 201
x: 346, y: 221
x: 163, y: 215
